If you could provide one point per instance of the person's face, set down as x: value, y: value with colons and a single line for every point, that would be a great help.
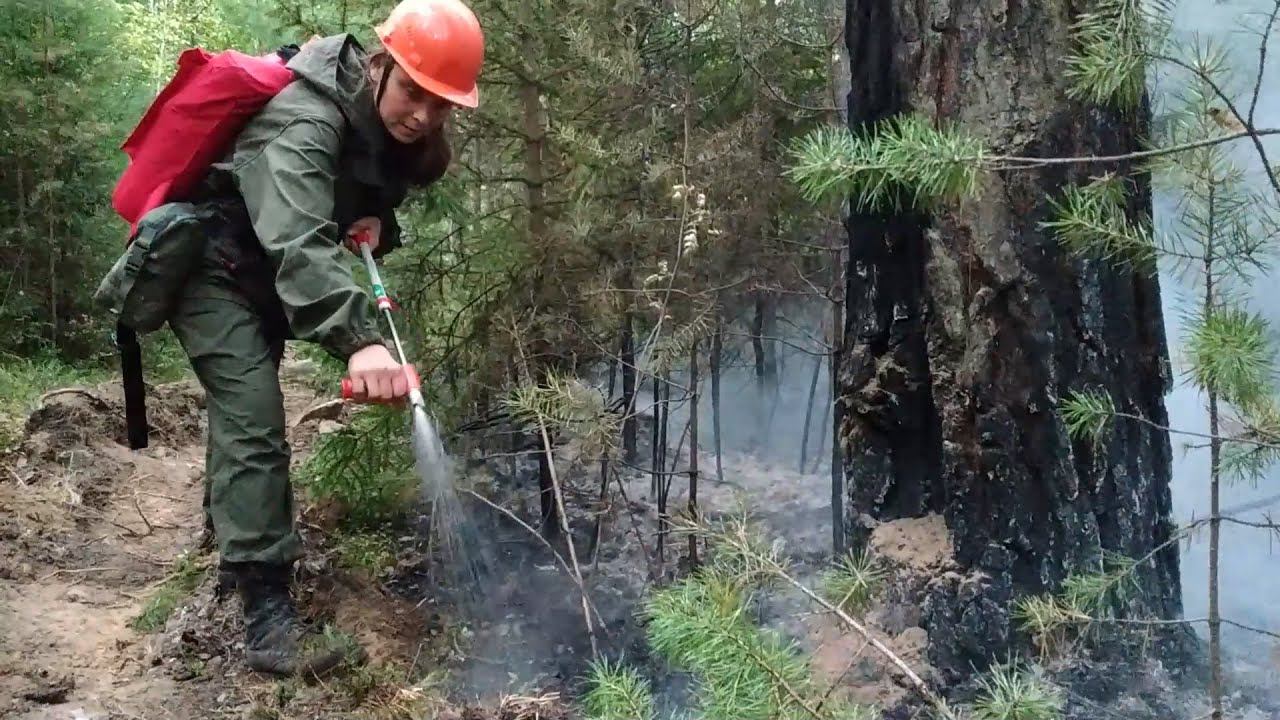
x: 409, y: 111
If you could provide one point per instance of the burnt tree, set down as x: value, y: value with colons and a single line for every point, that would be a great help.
x: 966, y: 326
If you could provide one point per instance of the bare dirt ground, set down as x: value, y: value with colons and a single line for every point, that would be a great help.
x: 92, y: 534
x: 88, y: 529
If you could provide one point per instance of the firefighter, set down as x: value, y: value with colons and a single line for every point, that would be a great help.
x: 330, y: 156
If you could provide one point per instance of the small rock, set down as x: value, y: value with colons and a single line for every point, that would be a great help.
x: 328, y: 427
x: 214, y: 666
x: 84, y: 596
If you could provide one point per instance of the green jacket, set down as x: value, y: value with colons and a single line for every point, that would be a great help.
x: 311, y: 163
x: 273, y: 214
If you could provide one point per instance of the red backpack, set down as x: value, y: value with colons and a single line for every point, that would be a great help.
x: 191, y: 124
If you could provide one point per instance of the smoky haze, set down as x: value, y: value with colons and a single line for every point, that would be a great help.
x: 1248, y: 566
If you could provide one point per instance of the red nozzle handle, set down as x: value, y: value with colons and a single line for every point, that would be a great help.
x: 415, y: 383
x: 361, y: 237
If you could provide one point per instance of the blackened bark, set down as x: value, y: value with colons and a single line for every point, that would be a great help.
x: 546, y: 496
x: 965, y: 328
x: 716, y: 349
x: 630, y: 425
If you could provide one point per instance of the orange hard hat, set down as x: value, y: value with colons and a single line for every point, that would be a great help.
x: 439, y: 44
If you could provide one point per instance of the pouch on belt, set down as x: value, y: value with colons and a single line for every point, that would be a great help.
x: 143, y: 288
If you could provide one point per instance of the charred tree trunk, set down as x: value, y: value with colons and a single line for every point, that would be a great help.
x: 693, y: 452
x: 808, y: 410
x: 630, y: 426
x: 716, y: 349
x: 966, y: 327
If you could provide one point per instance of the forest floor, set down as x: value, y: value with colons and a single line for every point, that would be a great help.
x: 110, y: 607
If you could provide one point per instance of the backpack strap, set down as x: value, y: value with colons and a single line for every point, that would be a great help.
x: 135, y: 390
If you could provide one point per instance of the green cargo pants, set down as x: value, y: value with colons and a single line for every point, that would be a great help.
x: 248, y: 494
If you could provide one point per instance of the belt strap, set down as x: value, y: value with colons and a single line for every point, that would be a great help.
x: 135, y: 391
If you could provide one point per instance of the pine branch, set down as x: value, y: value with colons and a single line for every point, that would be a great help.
x: 1262, y: 62
x: 904, y: 157
x: 781, y: 681
x: 1254, y: 134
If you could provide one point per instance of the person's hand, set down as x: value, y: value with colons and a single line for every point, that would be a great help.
x: 376, y: 376
x: 372, y: 226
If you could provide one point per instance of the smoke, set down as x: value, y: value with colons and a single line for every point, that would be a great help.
x: 763, y: 420
x: 1247, y: 565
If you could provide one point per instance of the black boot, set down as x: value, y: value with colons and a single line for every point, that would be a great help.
x: 276, y: 641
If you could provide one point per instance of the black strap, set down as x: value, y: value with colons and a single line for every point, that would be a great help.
x: 135, y: 391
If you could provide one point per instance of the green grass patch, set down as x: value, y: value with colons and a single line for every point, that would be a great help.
x: 372, y: 552
x: 24, y: 380
x: 163, y: 358
x: 183, y: 581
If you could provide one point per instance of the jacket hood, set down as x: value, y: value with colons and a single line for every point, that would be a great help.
x: 336, y: 67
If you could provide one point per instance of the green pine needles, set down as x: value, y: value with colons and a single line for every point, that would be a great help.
x: 1011, y: 694
x: 854, y: 582
x: 1116, y: 42
x: 617, y: 692
x: 704, y: 625
x: 1091, y: 220
x: 1229, y: 350
x: 566, y: 403
x: 1053, y: 621
x: 1088, y: 414
x: 701, y: 626
x: 903, y: 158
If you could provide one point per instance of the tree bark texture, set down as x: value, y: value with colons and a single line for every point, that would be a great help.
x: 966, y: 326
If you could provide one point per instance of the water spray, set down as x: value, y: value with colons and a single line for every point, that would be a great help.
x: 460, y: 539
